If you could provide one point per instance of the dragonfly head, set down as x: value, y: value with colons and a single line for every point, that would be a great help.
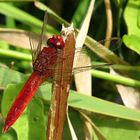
x: 56, y: 42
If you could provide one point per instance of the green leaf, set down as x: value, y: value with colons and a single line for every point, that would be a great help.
x: 79, y: 14
x: 10, y: 135
x: 131, y: 17
x: 8, y: 76
x: 132, y: 42
x: 93, y: 105
x: 36, y: 120
x: 97, y: 105
x: 115, y: 129
x: 31, y: 122
x: 90, y: 104
x: 22, y: 16
x: 33, y: 119
x: 139, y: 17
x: 77, y: 124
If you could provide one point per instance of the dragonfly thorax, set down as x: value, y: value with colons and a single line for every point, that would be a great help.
x: 56, y: 42
x: 45, y: 59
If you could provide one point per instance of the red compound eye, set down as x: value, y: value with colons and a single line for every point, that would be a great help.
x: 56, y: 41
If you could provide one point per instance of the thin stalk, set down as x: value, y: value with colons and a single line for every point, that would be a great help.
x: 109, y: 22
x: 15, y: 54
x: 116, y: 78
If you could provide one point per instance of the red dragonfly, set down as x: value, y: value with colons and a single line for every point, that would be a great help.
x: 44, y: 60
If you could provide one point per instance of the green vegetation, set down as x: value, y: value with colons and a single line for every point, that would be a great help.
x: 21, y: 21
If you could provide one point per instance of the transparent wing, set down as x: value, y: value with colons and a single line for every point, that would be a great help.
x: 115, y: 42
x: 37, y: 41
x: 33, y: 39
x: 42, y: 34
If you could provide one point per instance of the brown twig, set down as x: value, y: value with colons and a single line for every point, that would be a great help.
x: 60, y: 90
x: 109, y: 22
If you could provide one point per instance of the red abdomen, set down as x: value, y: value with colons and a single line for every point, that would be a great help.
x: 43, y: 68
x: 22, y: 99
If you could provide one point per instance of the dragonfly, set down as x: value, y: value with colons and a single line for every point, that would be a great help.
x: 44, y: 61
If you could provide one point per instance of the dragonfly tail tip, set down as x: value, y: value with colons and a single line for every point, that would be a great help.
x: 5, y: 128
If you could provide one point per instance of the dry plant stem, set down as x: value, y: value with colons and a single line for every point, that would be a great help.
x: 81, y: 85
x: 60, y: 90
x: 109, y: 22
x: 130, y: 96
